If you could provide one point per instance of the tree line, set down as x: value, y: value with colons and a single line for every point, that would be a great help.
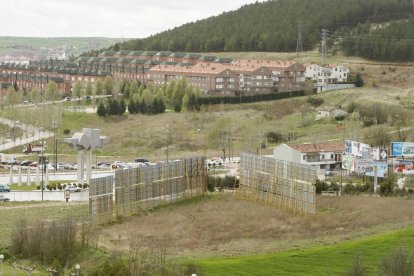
x: 270, y: 26
x: 393, y: 42
x: 178, y: 95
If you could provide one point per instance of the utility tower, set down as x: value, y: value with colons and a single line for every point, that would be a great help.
x: 325, y: 35
x: 299, y: 43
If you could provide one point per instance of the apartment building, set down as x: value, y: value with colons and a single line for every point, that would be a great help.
x: 286, y: 75
x: 212, y: 78
x: 325, y: 76
x: 210, y: 74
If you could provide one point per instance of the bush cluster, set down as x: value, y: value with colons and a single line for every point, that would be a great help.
x: 227, y: 182
x: 113, y: 107
x: 45, y: 241
x: 157, y: 107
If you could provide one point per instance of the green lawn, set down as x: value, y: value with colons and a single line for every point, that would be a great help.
x: 321, y: 260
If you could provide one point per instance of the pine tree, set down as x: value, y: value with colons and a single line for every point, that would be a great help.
x: 359, y: 82
x: 122, y: 107
x: 101, y: 110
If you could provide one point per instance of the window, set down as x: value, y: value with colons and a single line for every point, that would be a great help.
x: 304, y: 157
x: 259, y: 77
x: 219, y: 79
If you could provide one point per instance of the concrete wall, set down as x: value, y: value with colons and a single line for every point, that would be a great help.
x: 338, y: 86
x: 284, y: 152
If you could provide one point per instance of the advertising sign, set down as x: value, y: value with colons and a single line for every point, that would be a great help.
x: 364, y: 165
x: 366, y: 152
x: 382, y: 168
x: 408, y: 149
x: 379, y: 154
x: 404, y: 166
x: 358, y: 149
x: 348, y: 147
x: 348, y: 163
x: 396, y: 148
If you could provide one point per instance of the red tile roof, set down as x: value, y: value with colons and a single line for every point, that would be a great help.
x: 331, y: 146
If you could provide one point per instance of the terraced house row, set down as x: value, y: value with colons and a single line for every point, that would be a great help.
x: 211, y: 75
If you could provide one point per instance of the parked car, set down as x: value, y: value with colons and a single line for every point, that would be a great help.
x: 141, y: 160
x: 69, y: 167
x: 4, y: 188
x: 118, y: 164
x: 73, y: 188
x: 103, y: 165
x: 25, y: 163
x: 60, y: 166
x: 329, y: 173
x: 4, y: 199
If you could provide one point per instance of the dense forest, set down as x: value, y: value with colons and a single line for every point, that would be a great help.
x: 386, y: 42
x: 271, y: 26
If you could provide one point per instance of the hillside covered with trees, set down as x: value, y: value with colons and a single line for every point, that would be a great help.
x: 388, y: 42
x: 271, y: 26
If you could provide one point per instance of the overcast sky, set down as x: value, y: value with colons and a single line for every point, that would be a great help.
x: 109, y: 18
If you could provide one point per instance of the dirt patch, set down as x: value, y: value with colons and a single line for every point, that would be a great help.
x: 229, y: 226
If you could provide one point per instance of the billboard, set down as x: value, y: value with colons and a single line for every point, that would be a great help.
x: 379, y: 154
x: 363, y: 165
x: 404, y: 166
x: 382, y: 168
x: 348, y: 163
x: 405, y: 149
x: 358, y: 149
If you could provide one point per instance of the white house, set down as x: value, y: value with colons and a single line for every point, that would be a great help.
x: 324, y: 155
x: 328, y: 78
x: 339, y: 73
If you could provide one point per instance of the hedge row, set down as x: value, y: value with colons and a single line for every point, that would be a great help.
x: 249, y: 98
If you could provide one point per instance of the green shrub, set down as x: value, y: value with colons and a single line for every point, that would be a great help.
x: 400, y: 262
x: 320, y: 186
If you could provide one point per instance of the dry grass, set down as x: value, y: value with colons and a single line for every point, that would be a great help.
x: 226, y: 225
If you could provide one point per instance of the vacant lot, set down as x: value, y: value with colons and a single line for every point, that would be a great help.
x: 11, y: 212
x: 226, y: 226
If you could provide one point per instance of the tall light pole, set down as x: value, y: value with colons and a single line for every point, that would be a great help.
x: 41, y: 164
x: 77, y: 269
x: 168, y: 140
x: 1, y: 264
x: 55, y: 126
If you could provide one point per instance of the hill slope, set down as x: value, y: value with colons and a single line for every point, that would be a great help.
x: 271, y: 26
x: 35, y: 46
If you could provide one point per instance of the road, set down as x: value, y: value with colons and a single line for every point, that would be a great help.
x: 47, y: 196
x: 38, y: 134
x: 5, y: 178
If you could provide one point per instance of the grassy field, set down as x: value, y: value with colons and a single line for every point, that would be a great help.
x: 10, y: 212
x: 315, y: 260
x: 222, y: 225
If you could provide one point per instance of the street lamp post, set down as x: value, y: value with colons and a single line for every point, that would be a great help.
x: 168, y: 140
x: 41, y: 164
x: 1, y: 264
x: 77, y: 269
